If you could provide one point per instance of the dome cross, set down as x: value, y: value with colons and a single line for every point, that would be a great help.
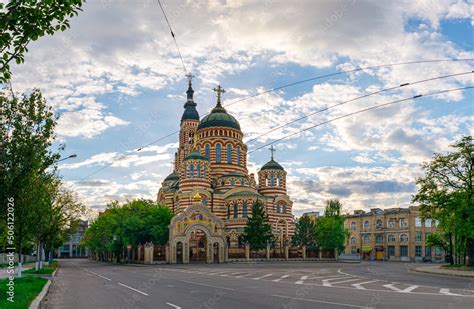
x: 219, y: 90
x: 272, y: 150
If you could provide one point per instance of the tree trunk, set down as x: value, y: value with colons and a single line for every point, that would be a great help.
x: 470, y: 251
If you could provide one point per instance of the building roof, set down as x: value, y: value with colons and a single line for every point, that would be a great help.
x: 272, y: 165
x: 219, y: 118
x: 245, y: 193
x: 196, y: 156
x: 233, y: 175
x: 172, y: 176
x: 190, y: 112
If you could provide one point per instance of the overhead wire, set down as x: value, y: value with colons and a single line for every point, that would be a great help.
x: 358, y: 112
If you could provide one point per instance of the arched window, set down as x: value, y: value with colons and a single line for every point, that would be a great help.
x: 366, y: 239
x: 353, y: 225
x: 184, y: 171
x: 391, y: 238
x: 199, y: 171
x: 191, y: 171
x: 204, y: 173
x: 236, y: 211
x: 353, y: 240
x: 229, y: 153
x: 204, y: 200
x: 242, y: 183
x: 232, y: 182
x: 244, y: 210
x: 238, y: 154
x: 403, y: 238
x: 218, y: 153
x: 378, y: 224
x: 284, y: 208
x: 366, y: 224
x: 379, y: 239
x: 391, y: 222
x: 278, y: 180
x: 272, y: 180
x: 278, y: 208
x: 208, y: 151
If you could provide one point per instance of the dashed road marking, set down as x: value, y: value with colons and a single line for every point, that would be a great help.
x: 391, y: 287
x: 173, y: 305
x: 359, y: 285
x: 326, y: 282
x: 447, y: 292
x: 320, y: 301
x: 302, y: 279
x: 103, y: 277
x: 133, y: 289
x: 208, y: 285
x: 258, y: 278
x: 241, y: 276
x: 409, y: 289
x: 344, y: 281
x: 282, y: 277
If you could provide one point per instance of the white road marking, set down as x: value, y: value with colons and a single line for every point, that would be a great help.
x: 359, y: 285
x: 344, y: 281
x: 258, y: 278
x: 409, y: 289
x: 447, y: 292
x: 319, y: 301
x: 282, y: 277
x: 129, y: 287
x: 231, y: 274
x: 104, y: 277
x: 208, y: 285
x: 174, y: 306
x: 326, y: 282
x: 241, y: 276
x: 390, y: 286
x: 302, y: 279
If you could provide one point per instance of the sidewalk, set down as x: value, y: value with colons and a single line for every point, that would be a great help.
x: 438, y: 270
x: 4, y: 274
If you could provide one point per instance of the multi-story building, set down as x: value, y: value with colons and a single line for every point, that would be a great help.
x: 313, y: 215
x: 73, y: 247
x: 397, y: 234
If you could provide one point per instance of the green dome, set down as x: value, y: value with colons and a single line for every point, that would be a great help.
x: 219, y: 118
x: 172, y: 176
x: 195, y: 156
x: 272, y: 165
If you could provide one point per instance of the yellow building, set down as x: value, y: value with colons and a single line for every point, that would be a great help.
x: 396, y: 234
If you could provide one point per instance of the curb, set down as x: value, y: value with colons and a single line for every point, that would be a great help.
x: 425, y: 271
x: 36, y: 303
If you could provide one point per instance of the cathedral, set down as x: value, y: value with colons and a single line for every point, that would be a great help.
x: 211, y: 163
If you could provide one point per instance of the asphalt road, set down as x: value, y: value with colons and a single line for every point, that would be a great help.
x: 91, y: 284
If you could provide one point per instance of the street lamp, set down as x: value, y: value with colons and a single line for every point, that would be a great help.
x: 69, y: 157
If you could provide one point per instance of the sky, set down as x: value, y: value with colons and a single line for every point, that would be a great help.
x: 117, y: 83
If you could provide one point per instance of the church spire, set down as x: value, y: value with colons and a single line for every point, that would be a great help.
x: 190, y: 91
x: 190, y: 112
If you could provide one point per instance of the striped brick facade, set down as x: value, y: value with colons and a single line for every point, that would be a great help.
x: 212, y: 160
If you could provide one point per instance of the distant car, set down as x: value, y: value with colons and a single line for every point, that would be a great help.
x: 427, y: 259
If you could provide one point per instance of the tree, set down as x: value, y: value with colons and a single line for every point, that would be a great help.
x: 135, y: 222
x: 23, y: 21
x: 330, y: 231
x: 26, y: 161
x: 446, y: 194
x: 258, y: 231
x: 305, y: 233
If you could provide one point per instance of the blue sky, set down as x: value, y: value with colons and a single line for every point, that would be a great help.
x: 116, y: 81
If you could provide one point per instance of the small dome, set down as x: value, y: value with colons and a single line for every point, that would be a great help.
x: 272, y: 165
x: 190, y: 112
x: 172, y: 176
x: 195, y: 156
x: 219, y: 118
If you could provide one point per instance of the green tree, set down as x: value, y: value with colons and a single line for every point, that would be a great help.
x: 258, y: 230
x: 135, y: 222
x: 305, y: 233
x: 26, y: 161
x: 446, y: 195
x: 23, y: 21
x: 330, y: 231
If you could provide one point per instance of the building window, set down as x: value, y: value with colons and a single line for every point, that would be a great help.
x: 208, y: 151
x: 229, y: 153
x: 199, y: 171
x: 242, y: 183
x: 272, y: 180
x: 353, y: 250
x: 427, y: 251
x: 418, y: 236
x: 437, y: 251
x: 391, y: 238
x: 366, y: 224
x: 184, y: 171
x: 278, y: 208
x: 238, y: 155
x: 403, y: 238
x: 204, y: 172
x: 403, y: 222
x: 284, y: 208
x: 378, y: 224
x: 428, y: 223
x: 391, y: 250
x: 353, y: 225
x: 366, y: 239
x: 353, y: 240
x: 218, y: 153
x: 278, y: 181
x: 403, y: 250
x: 232, y: 182
x: 379, y: 239
x: 244, y: 210
x: 418, y: 251
x: 417, y: 222
x: 236, y: 211
x: 191, y: 171
x: 391, y: 222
